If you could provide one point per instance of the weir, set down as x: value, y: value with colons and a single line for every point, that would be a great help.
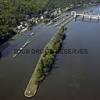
x: 85, y: 15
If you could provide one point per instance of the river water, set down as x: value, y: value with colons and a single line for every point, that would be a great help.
x: 74, y: 76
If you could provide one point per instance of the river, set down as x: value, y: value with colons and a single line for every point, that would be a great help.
x: 74, y: 76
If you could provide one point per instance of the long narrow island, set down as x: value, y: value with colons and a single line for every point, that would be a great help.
x: 45, y: 62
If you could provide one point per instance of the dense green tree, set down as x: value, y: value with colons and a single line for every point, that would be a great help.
x: 14, y: 11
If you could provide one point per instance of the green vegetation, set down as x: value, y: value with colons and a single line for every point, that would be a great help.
x: 12, y: 12
x: 45, y: 62
x: 52, y: 4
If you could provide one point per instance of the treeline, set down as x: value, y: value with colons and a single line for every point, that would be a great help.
x: 63, y: 3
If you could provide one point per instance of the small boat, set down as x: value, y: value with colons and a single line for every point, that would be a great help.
x: 56, y: 24
x: 21, y: 48
x: 14, y: 55
x: 27, y: 42
x: 32, y: 33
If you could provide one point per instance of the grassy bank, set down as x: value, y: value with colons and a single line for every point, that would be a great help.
x: 45, y: 62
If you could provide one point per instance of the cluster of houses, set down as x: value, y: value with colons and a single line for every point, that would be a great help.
x: 46, y: 16
x: 22, y: 27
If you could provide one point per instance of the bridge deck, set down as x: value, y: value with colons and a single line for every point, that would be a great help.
x: 89, y: 16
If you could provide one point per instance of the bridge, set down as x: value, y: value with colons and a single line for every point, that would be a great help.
x: 85, y: 15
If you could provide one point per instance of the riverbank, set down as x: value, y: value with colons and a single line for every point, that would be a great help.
x: 45, y: 62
